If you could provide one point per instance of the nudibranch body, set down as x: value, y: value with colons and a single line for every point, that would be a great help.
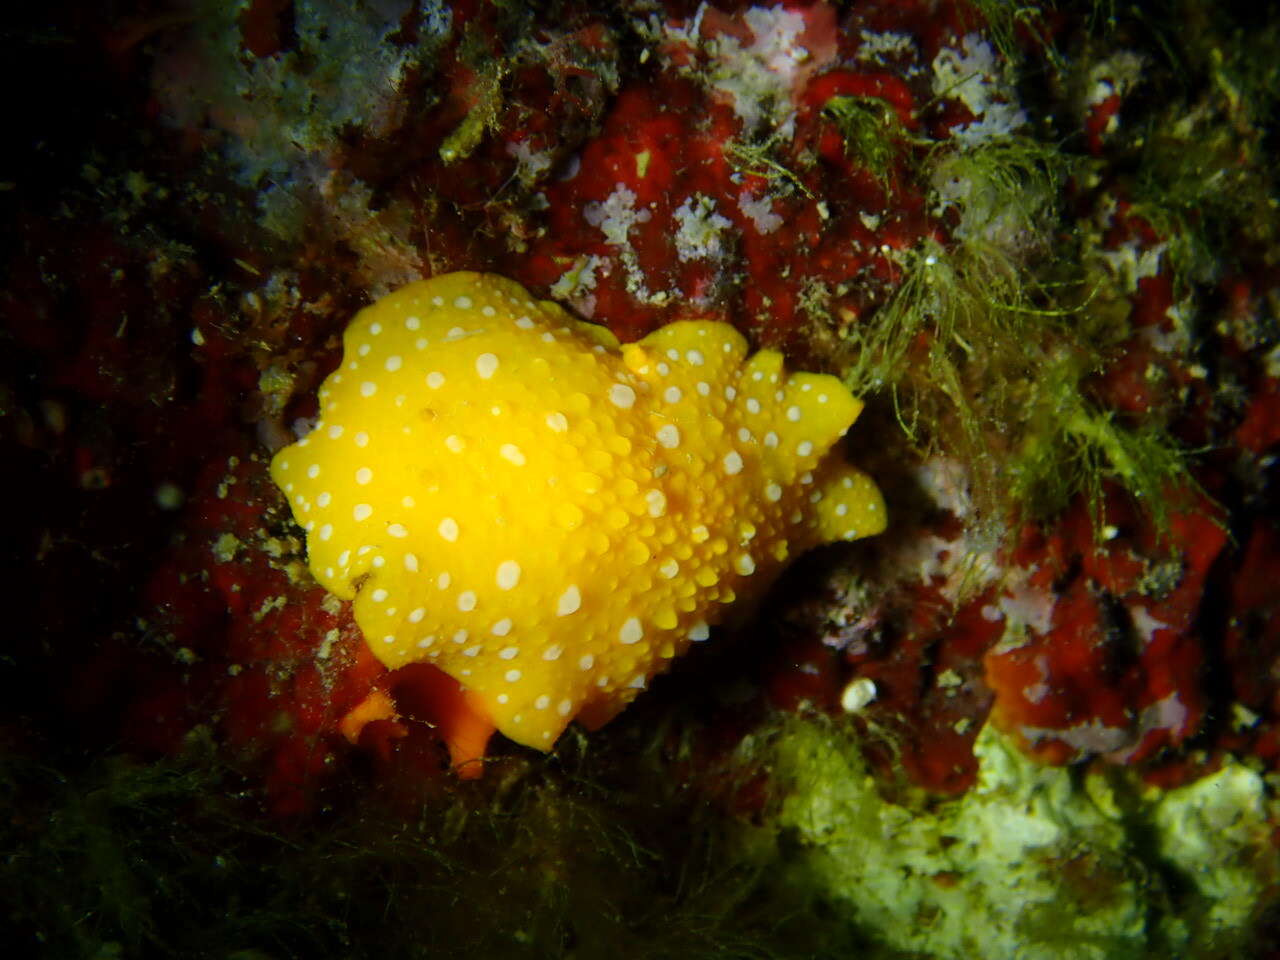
x: 548, y: 516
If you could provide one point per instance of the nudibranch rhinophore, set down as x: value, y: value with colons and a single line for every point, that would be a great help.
x: 548, y: 516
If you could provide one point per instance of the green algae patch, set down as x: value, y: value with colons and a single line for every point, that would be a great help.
x: 1216, y: 833
x: 872, y: 132
x: 124, y: 858
x: 987, y: 351
x: 1043, y: 863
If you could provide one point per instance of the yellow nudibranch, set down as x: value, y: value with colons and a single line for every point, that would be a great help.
x: 548, y: 516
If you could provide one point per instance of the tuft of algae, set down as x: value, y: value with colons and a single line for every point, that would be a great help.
x: 989, y: 348
x: 115, y: 857
x: 872, y: 133
x: 578, y: 858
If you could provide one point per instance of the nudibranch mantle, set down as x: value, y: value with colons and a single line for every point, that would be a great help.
x: 548, y: 516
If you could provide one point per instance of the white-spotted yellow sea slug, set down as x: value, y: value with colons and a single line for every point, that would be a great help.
x: 548, y: 516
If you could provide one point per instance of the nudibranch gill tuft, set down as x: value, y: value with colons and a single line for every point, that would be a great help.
x: 551, y: 517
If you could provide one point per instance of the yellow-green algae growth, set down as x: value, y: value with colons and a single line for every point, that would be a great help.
x: 1037, y: 862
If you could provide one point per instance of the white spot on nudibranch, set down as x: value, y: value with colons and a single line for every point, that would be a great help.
x: 570, y: 601
x: 656, y: 500
x: 508, y: 574
x: 631, y: 631
x: 622, y: 396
